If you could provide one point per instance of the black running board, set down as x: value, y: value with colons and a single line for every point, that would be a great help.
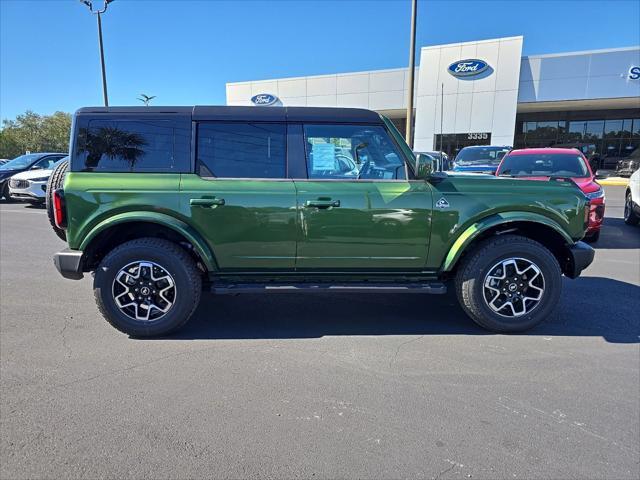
x: 432, y: 287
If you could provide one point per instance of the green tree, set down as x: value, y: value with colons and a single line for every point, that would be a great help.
x: 36, y: 133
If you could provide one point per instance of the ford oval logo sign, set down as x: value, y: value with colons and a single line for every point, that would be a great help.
x: 264, y: 99
x: 467, y: 68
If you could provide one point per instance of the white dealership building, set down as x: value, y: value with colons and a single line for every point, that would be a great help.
x: 488, y: 93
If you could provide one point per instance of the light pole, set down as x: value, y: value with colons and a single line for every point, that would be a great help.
x: 412, y: 68
x: 98, y: 14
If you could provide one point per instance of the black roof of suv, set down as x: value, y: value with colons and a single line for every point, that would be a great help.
x: 241, y: 113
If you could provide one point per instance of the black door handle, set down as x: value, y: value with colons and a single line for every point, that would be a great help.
x: 322, y: 203
x: 206, y: 202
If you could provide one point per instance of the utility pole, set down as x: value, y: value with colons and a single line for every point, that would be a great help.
x: 412, y: 68
x: 98, y: 14
x: 441, y: 118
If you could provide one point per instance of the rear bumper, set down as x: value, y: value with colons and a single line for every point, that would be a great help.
x: 69, y: 263
x: 580, y: 255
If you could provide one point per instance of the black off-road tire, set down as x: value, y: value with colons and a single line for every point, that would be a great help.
x: 175, y: 260
x: 630, y: 217
x: 476, y: 265
x: 56, y: 181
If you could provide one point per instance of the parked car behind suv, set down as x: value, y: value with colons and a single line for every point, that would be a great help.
x: 162, y: 203
x: 553, y: 163
x: 632, y: 200
x: 479, y: 159
x: 31, y: 185
x: 30, y: 161
x: 628, y: 165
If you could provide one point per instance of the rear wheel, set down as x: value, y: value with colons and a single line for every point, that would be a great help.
x: 147, y: 287
x: 509, y: 283
x: 56, y: 181
x: 630, y: 217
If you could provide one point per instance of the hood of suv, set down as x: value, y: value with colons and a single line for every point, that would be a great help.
x: 31, y: 174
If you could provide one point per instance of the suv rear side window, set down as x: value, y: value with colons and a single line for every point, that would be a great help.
x: 241, y: 150
x: 144, y: 145
x: 352, y: 152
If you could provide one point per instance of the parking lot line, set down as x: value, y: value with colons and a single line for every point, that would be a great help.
x: 23, y: 211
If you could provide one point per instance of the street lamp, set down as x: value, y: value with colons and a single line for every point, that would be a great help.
x: 412, y: 67
x: 98, y: 13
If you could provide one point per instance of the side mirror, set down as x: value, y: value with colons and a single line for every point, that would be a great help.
x: 36, y: 167
x: 425, y: 166
x: 426, y: 169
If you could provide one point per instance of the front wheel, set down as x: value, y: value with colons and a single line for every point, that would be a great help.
x: 630, y: 216
x: 509, y: 283
x: 147, y: 287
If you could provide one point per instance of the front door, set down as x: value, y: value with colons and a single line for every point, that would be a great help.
x: 240, y: 199
x: 358, y: 210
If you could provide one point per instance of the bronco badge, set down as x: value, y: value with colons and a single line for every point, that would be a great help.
x: 442, y: 203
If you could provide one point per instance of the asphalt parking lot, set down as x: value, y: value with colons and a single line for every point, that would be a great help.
x: 320, y: 386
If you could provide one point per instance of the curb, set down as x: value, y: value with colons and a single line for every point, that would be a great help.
x: 614, y: 182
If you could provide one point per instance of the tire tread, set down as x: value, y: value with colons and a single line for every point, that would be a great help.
x: 470, y: 270
x: 170, y: 248
x: 56, y: 181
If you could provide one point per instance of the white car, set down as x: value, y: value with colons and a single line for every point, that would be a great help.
x: 632, y: 200
x: 31, y: 185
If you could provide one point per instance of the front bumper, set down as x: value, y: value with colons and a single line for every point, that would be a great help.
x: 34, y: 192
x: 69, y: 263
x: 579, y: 256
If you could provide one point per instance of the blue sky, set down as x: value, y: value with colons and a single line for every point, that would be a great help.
x: 185, y: 51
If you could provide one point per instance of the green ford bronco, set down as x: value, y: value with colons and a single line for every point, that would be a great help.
x: 162, y: 203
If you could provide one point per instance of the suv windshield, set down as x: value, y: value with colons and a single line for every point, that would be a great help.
x: 23, y: 161
x: 481, y: 155
x: 544, y: 165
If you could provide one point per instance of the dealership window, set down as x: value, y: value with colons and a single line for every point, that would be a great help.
x: 352, y: 152
x: 143, y: 145
x: 241, y: 150
x: 593, y: 130
x: 614, y: 129
x: 635, y: 129
x: 609, y: 140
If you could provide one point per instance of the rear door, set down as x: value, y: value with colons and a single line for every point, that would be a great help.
x: 240, y: 198
x: 358, y: 208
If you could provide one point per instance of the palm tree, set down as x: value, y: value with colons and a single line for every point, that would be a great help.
x: 144, y: 98
x: 112, y: 142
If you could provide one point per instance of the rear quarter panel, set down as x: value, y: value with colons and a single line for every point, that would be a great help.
x: 94, y: 198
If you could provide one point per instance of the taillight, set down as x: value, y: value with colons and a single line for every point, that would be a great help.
x: 587, y: 211
x: 59, y: 214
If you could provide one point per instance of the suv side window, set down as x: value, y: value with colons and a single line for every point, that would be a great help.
x: 352, y: 152
x: 141, y: 145
x: 241, y: 150
x: 46, y: 163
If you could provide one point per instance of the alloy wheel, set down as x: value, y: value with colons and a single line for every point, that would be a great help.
x: 513, y: 287
x: 144, y: 291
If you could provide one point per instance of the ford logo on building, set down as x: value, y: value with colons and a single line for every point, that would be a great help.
x: 467, y: 68
x: 264, y: 99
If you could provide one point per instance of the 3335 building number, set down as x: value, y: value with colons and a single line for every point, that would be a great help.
x: 477, y: 136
